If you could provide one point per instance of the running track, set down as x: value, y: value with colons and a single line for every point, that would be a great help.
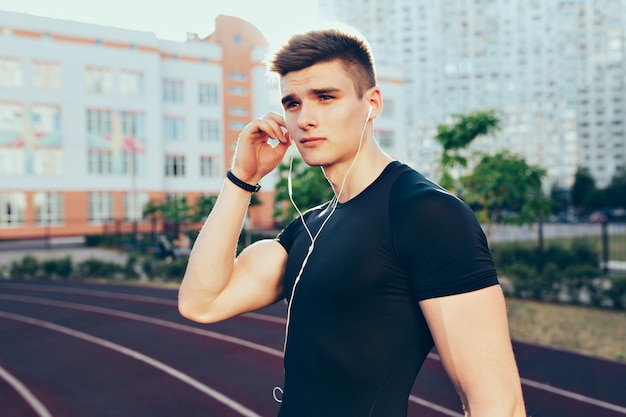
x: 77, y: 350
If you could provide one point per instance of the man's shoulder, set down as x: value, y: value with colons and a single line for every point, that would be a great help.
x: 412, y: 185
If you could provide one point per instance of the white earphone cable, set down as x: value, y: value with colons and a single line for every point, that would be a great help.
x: 332, y: 205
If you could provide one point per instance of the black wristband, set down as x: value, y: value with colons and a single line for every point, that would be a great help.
x: 244, y: 185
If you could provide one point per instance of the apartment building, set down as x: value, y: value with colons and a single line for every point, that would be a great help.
x: 97, y: 121
x: 555, y: 71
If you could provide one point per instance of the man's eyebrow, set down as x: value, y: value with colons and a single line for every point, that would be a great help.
x: 287, y: 99
x: 312, y: 92
x: 323, y: 91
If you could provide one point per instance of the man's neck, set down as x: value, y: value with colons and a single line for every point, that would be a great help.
x: 365, y: 171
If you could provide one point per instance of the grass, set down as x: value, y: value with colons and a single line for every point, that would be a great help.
x: 586, y: 330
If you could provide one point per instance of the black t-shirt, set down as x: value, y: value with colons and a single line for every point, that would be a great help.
x: 356, y: 336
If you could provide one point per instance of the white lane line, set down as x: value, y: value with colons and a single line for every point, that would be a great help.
x: 190, y: 329
x: 151, y: 320
x: 433, y: 356
x: 25, y: 393
x: 218, y: 396
x: 574, y: 396
x: 128, y: 297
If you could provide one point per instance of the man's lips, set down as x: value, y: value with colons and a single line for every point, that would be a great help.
x: 311, y: 141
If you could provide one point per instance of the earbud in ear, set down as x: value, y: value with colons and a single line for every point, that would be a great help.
x: 369, y: 113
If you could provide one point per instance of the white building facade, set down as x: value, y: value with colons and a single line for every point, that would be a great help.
x: 97, y: 121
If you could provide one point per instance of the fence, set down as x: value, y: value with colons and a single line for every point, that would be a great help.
x: 608, y: 238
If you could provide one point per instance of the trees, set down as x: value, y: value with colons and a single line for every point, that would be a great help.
x: 176, y: 210
x: 458, y: 136
x: 584, y: 185
x: 616, y: 191
x: 310, y: 188
x: 506, y: 182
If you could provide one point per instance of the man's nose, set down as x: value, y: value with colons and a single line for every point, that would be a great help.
x: 307, y: 118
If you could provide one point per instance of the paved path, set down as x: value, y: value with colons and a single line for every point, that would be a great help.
x: 75, y: 350
x: 78, y: 254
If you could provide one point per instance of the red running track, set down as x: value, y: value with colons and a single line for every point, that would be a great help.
x: 76, y: 350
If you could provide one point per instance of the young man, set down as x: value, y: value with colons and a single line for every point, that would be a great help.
x: 373, y: 277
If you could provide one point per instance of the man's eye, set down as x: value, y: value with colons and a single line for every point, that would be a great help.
x: 324, y: 98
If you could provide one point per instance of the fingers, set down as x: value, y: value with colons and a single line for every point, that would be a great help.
x: 254, y: 155
x: 271, y: 125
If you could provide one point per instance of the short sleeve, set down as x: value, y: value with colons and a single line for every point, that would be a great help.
x: 438, y: 239
x: 286, y: 236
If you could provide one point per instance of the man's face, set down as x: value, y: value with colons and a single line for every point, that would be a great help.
x: 323, y: 113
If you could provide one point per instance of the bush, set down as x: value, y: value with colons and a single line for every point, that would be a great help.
x: 96, y: 268
x: 26, y: 268
x: 57, y: 268
x: 562, y: 274
x: 174, y: 270
x: 617, y: 291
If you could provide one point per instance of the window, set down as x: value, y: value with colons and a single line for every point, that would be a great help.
x: 12, y: 208
x: 98, y: 80
x: 238, y: 111
x: 10, y: 72
x: 209, y: 131
x: 173, y: 128
x: 131, y: 83
x: 208, y: 94
x: 173, y: 91
x: 174, y: 165
x: 99, y: 162
x: 32, y: 142
x: 46, y: 75
x: 133, y: 124
x: 48, y: 150
x: 49, y: 208
x: 237, y: 126
x: 238, y: 76
x: 210, y: 167
x: 11, y: 161
x: 99, y: 121
x: 136, y: 200
x: 100, y: 207
x: 238, y: 91
x: 48, y: 161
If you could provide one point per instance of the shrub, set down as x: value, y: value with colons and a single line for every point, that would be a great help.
x: 26, y: 268
x: 57, y: 268
x: 129, y: 269
x: 617, y: 291
x: 173, y: 270
x: 96, y: 268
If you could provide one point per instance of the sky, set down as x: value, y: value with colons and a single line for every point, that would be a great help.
x: 172, y: 20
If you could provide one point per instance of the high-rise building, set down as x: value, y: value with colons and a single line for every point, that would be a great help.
x: 554, y: 71
x: 97, y: 121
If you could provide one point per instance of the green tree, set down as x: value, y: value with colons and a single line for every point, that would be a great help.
x: 506, y: 182
x: 175, y: 210
x: 310, y: 188
x: 583, y: 186
x: 456, y: 137
x: 616, y: 191
x: 202, y: 207
x: 560, y: 198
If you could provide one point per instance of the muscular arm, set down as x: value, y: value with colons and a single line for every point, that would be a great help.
x: 471, y: 334
x: 216, y: 286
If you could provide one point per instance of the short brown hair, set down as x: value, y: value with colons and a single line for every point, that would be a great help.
x: 325, y: 45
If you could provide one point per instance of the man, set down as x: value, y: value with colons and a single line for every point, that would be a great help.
x: 372, y: 278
